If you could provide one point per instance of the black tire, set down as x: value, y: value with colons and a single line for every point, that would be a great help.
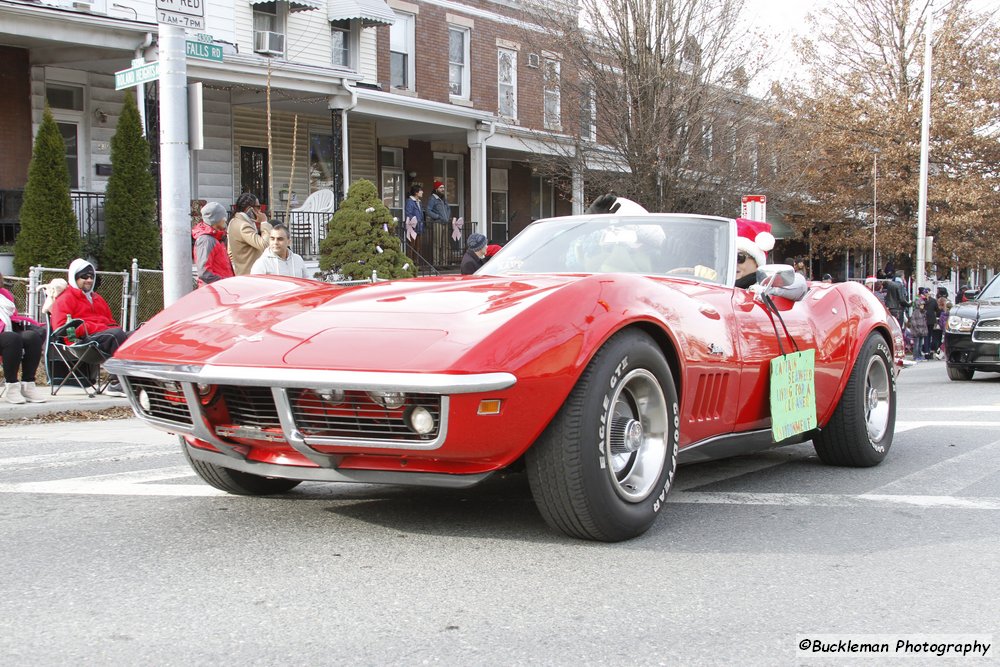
x: 860, y: 431
x: 603, y: 467
x: 237, y: 482
x: 960, y: 374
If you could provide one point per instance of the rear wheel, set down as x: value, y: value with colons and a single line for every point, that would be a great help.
x: 237, y: 482
x: 960, y: 374
x: 860, y: 432
x: 603, y: 467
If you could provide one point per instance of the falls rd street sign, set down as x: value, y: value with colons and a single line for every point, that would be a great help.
x: 133, y: 76
x: 204, y: 51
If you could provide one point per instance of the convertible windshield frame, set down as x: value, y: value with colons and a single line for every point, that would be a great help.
x: 693, y: 247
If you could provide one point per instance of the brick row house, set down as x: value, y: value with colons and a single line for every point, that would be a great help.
x: 393, y: 91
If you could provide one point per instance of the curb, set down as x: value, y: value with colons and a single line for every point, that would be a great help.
x: 68, y: 399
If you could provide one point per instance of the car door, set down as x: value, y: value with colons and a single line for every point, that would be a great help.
x: 759, y: 338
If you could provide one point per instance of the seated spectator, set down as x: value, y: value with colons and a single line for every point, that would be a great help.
x: 210, y: 256
x: 21, y: 341
x: 79, y: 301
x: 278, y: 259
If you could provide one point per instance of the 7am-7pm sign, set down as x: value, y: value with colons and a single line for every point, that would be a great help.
x: 182, y: 13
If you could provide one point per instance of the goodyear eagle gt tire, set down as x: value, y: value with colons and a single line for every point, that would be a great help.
x: 860, y: 431
x: 603, y: 467
x: 237, y: 482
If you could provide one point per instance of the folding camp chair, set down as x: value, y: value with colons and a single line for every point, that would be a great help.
x: 77, y: 364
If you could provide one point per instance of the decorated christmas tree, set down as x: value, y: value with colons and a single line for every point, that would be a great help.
x: 361, y: 238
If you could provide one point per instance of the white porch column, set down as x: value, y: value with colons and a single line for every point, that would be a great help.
x: 579, y: 203
x: 477, y: 173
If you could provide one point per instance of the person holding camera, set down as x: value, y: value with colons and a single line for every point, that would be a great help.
x: 248, y: 233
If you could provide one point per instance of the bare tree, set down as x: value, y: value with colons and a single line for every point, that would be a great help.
x: 666, y: 82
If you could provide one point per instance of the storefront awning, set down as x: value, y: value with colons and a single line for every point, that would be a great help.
x: 371, y: 12
x: 293, y: 5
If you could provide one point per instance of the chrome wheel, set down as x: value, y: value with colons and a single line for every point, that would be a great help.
x: 636, y: 444
x: 877, y: 398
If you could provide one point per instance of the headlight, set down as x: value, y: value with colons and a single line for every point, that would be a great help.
x: 390, y: 400
x: 421, y: 420
x: 958, y: 324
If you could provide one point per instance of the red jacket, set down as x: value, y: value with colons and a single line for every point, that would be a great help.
x: 96, y: 314
x: 209, y: 254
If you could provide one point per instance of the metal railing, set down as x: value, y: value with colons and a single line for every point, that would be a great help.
x: 87, y: 206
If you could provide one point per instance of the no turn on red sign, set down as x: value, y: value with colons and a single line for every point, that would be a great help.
x: 754, y: 207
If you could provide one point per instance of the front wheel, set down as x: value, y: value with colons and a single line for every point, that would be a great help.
x: 237, y: 482
x: 603, y: 467
x: 860, y: 431
x: 960, y: 374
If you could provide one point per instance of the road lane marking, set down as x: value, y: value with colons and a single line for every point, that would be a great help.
x: 69, y: 458
x: 950, y: 476
x: 831, y: 500
x: 909, y: 425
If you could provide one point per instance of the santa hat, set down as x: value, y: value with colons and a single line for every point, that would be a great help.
x: 754, y: 238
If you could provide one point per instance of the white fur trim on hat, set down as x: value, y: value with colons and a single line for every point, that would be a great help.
x: 752, y: 249
x: 628, y: 207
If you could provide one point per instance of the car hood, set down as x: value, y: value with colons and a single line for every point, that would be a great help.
x: 977, y: 310
x: 410, y: 325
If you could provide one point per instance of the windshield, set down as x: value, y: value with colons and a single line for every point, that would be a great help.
x: 663, y: 245
x: 991, y: 291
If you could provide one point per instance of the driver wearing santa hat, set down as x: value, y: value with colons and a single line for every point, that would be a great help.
x: 753, y: 241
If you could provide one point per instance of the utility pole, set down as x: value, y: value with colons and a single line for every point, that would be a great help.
x: 175, y: 165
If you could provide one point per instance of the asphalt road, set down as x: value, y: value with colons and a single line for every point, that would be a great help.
x: 114, y: 554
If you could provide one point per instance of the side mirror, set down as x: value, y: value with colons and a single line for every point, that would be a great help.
x: 776, y: 275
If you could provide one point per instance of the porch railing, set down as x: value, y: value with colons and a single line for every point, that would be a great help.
x: 87, y: 206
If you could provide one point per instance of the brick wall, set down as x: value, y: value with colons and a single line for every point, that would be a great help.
x: 15, y: 118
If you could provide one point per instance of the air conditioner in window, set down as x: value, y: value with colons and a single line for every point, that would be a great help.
x: 532, y: 60
x: 268, y: 43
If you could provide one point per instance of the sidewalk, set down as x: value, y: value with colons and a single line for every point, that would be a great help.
x: 68, y: 399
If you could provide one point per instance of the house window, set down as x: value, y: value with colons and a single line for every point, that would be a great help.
x: 393, y: 192
x: 458, y: 62
x: 588, y: 113
x: 507, y: 83
x: 401, y: 51
x: 553, y: 113
x: 340, y: 38
x: 542, y: 198
x: 267, y: 17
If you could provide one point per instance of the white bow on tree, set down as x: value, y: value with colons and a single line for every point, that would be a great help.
x: 456, y: 228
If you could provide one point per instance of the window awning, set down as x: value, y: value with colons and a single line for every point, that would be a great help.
x: 371, y: 12
x: 293, y: 5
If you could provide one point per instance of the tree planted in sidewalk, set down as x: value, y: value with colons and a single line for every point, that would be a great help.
x: 48, y: 236
x: 361, y: 238
x: 130, y: 198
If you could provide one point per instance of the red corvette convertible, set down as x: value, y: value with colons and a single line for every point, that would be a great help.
x: 596, y: 351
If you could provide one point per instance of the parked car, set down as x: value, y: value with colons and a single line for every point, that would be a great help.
x: 972, y: 336
x: 597, y: 351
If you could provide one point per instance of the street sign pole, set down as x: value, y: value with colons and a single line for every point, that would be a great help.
x: 175, y: 165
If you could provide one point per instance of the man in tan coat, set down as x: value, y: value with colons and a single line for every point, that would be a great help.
x: 248, y: 233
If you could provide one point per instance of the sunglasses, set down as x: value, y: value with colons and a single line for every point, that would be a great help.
x: 742, y: 257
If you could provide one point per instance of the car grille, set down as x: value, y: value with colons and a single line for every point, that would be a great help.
x: 253, y: 413
x: 355, y: 415
x: 252, y: 407
x: 987, y: 331
x: 163, y: 401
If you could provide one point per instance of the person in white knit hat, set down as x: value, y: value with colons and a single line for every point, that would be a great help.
x: 753, y: 241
